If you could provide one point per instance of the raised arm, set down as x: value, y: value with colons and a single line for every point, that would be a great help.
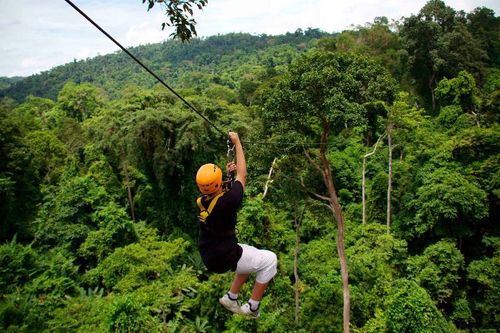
x: 241, y: 164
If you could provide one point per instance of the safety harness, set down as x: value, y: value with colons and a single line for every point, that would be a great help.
x: 205, y: 212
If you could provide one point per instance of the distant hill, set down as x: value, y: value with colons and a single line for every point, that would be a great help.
x: 172, y: 60
x: 6, y: 82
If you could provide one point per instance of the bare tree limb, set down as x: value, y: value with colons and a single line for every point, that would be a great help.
x: 266, y: 186
x: 313, y: 163
x: 375, y: 147
x: 319, y: 196
x: 363, y: 181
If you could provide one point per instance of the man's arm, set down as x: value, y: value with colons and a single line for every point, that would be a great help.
x: 241, y: 165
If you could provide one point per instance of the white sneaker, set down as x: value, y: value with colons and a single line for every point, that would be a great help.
x: 247, y: 310
x: 231, y: 305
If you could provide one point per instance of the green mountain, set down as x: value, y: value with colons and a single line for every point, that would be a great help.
x: 220, y: 57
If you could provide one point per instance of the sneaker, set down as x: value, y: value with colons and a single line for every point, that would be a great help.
x: 231, y: 305
x: 247, y: 310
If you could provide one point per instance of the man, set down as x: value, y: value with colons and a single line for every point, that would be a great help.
x: 218, y: 244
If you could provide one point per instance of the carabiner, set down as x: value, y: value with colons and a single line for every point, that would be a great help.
x: 230, y: 158
x: 230, y: 150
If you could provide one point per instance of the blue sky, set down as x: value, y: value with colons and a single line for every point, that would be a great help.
x: 46, y: 33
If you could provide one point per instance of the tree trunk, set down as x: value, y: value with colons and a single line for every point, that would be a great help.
x: 431, y: 88
x: 363, y: 182
x: 363, y: 195
x: 337, y: 213
x: 389, y: 181
x: 129, y: 190
x: 298, y: 220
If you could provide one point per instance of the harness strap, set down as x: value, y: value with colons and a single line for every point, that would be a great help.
x: 204, y: 213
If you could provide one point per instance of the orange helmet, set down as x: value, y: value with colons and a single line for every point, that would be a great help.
x: 209, y: 178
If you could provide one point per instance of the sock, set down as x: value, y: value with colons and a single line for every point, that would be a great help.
x: 254, y: 305
x: 232, y: 297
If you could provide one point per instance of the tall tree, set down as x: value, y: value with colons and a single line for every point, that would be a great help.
x: 322, y: 94
x: 484, y: 25
x: 438, y: 44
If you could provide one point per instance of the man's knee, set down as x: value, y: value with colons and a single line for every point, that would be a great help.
x: 273, y: 259
x: 272, y: 264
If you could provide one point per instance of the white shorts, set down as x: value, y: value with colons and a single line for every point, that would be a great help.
x: 262, y: 262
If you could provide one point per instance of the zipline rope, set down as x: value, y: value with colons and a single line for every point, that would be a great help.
x: 189, y: 105
x: 312, y: 144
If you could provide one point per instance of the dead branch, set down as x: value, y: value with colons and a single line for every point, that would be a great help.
x: 266, y: 186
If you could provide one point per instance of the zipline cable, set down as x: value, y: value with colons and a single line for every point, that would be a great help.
x: 312, y: 144
x: 189, y: 105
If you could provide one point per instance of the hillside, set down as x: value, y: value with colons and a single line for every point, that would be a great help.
x: 172, y: 60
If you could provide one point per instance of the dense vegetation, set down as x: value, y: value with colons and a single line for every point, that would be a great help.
x: 98, y: 221
x: 223, y: 60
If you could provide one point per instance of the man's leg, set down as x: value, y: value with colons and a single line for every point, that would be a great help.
x: 239, y: 280
x: 268, y: 263
x: 230, y: 300
x: 258, y: 290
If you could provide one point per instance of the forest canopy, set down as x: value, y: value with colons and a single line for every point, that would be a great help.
x: 98, y: 221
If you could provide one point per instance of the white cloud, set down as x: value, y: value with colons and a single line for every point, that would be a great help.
x: 280, y: 16
x: 146, y: 32
x: 30, y: 64
x: 84, y: 53
x: 47, y: 33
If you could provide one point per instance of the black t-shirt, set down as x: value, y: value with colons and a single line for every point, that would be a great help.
x: 218, y: 243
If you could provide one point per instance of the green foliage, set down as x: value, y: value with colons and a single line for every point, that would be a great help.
x: 97, y: 217
x: 326, y: 88
x: 410, y: 309
x: 114, y: 230
x: 57, y: 277
x: 80, y: 101
x: 374, y: 258
x: 20, y: 179
x: 438, y: 44
x: 221, y: 58
x: 132, y: 266
x: 47, y: 155
x: 128, y: 316
x: 65, y: 217
x: 178, y: 12
x: 485, y: 290
x: 483, y: 25
x: 437, y: 271
x: 264, y: 227
x: 449, y: 201
x: 460, y: 90
x: 17, y: 263
x: 449, y: 115
x: 85, y: 312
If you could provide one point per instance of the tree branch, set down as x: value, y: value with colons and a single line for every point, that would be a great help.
x: 375, y: 147
x: 313, y: 162
x: 319, y: 196
x: 266, y: 186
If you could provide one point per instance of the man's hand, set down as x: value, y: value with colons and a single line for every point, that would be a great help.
x: 233, y: 136
x: 231, y: 167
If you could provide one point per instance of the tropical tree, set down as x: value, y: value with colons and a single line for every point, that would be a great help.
x: 322, y: 94
x: 438, y: 44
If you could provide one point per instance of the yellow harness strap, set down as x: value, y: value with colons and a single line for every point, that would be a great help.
x: 204, y: 213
